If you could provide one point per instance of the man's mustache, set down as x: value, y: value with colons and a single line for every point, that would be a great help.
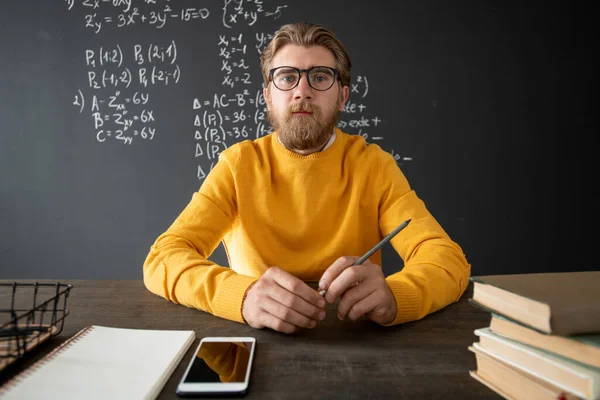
x: 302, y: 107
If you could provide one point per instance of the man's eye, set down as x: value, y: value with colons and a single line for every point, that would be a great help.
x: 287, y: 78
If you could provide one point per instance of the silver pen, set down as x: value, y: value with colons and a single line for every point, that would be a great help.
x: 369, y: 253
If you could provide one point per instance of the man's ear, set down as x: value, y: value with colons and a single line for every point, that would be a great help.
x: 267, y: 96
x: 345, y: 94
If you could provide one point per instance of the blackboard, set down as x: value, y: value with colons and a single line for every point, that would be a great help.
x: 113, y: 111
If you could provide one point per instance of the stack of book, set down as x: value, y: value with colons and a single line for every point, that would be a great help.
x: 543, y: 340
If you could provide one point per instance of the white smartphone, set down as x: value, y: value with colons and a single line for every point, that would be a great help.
x: 220, y: 366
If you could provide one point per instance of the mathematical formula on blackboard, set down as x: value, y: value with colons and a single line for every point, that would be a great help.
x: 120, y: 80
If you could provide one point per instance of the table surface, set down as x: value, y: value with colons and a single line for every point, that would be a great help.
x: 426, y: 359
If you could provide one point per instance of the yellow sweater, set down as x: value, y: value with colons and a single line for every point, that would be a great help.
x: 274, y: 207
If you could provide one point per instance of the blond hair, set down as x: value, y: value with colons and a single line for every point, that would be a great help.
x: 306, y: 34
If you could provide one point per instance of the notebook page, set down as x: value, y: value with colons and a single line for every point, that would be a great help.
x: 105, y: 363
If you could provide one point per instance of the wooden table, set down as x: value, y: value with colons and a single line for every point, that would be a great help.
x: 426, y: 359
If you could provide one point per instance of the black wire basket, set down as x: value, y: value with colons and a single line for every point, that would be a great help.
x: 34, y: 312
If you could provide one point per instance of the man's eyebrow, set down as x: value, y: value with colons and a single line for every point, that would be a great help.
x: 309, y: 67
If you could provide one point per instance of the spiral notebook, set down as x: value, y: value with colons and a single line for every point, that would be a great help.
x: 102, y: 362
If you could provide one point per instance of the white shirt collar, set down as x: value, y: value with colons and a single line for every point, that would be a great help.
x: 329, y: 143
x: 331, y: 140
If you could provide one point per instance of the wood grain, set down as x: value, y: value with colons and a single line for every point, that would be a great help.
x: 426, y: 359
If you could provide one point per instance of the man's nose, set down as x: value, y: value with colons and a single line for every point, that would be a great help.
x: 303, y: 90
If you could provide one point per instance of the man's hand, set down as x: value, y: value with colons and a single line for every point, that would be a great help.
x: 361, y: 288
x: 280, y: 301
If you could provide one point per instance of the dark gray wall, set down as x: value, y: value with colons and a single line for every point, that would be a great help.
x: 488, y: 108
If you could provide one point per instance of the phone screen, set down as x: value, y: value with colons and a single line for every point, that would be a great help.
x: 215, y: 362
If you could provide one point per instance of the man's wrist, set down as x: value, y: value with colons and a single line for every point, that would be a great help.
x: 244, y: 301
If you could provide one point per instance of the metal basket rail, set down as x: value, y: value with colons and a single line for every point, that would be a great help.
x: 36, y: 311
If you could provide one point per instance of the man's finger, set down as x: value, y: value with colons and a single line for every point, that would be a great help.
x: 362, y: 307
x: 297, y: 287
x: 271, y: 321
x: 334, y: 270
x: 296, y: 302
x: 350, y: 277
x: 287, y: 314
x: 351, y: 297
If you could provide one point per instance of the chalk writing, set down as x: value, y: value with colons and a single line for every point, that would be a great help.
x: 101, y: 13
x: 122, y: 77
x: 247, y: 12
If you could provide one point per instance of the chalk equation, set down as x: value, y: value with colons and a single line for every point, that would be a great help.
x: 121, y: 79
x: 119, y: 117
x: 123, y: 14
x: 126, y: 115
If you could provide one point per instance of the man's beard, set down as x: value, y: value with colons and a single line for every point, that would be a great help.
x: 304, y: 132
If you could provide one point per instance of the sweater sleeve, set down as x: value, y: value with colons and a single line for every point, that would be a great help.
x: 177, y: 266
x: 436, y: 272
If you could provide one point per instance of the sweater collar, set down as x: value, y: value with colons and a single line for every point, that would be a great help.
x: 329, y: 143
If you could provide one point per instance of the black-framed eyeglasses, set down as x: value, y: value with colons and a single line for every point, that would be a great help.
x: 319, y: 78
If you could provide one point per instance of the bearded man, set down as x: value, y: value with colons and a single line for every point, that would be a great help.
x: 300, y: 205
